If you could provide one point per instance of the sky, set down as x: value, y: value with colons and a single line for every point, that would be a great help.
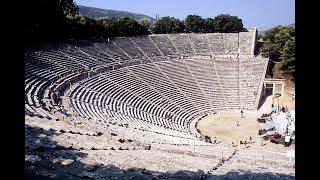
x: 263, y: 14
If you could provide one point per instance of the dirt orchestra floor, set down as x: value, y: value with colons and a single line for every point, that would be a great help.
x: 223, y: 126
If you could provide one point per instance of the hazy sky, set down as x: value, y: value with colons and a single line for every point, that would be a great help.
x: 262, y: 14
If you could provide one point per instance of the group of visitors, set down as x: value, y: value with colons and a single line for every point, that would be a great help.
x: 80, y: 70
x: 245, y: 142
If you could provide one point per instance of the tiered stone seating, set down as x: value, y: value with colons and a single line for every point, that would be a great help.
x: 231, y: 43
x: 137, y: 88
x: 46, y: 70
x: 143, y: 98
x: 207, y: 78
x: 216, y: 43
x: 164, y: 44
x: 57, y: 58
x: 127, y: 45
x: 250, y: 70
x: 228, y: 72
x: 76, y: 55
x: 182, y: 43
x: 93, y: 52
x: 40, y: 74
x: 147, y: 45
x: 128, y: 99
x: 112, y: 50
x: 258, y: 161
x: 201, y: 43
x: 158, y: 82
x: 246, y: 42
x: 181, y: 77
x: 84, y: 151
x: 219, y: 85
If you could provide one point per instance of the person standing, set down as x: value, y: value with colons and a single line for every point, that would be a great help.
x: 241, y: 113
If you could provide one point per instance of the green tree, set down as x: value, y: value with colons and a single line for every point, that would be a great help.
x: 225, y: 23
x: 110, y: 26
x: 145, y: 22
x: 276, y: 39
x: 280, y: 43
x: 47, y: 18
x: 177, y: 26
x: 168, y: 25
x: 194, y: 23
x: 288, y: 50
x: 209, y: 25
x: 129, y: 27
x: 288, y: 57
x: 282, y: 36
x: 273, y: 50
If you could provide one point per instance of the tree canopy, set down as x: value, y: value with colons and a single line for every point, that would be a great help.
x: 60, y: 19
x: 209, y: 25
x: 130, y: 27
x: 145, y: 22
x: 168, y: 25
x: 280, y: 43
x: 194, y: 23
x: 223, y: 23
x: 46, y: 18
x: 85, y: 28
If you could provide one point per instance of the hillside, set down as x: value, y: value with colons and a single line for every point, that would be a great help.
x: 262, y: 32
x: 96, y: 13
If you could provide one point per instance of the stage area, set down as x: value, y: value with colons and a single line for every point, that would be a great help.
x: 223, y: 126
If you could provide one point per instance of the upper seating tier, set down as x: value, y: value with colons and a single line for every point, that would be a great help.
x: 144, y: 79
